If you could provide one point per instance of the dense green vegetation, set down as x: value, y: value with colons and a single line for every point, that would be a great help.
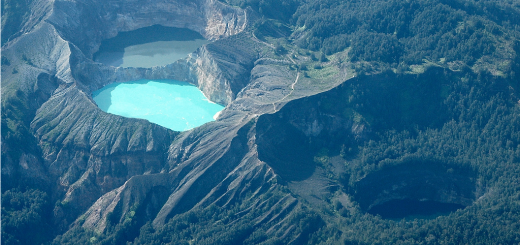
x: 276, y: 9
x: 15, y: 132
x: 405, y: 31
x: 25, y: 217
x: 232, y: 224
x: 401, y: 32
x: 454, y: 124
x: 458, y: 117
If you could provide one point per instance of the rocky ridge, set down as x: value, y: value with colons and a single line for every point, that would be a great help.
x: 84, y: 153
x: 284, y: 147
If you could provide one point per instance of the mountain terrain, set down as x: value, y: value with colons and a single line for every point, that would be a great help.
x: 334, y: 111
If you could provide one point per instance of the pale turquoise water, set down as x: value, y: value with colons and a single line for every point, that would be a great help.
x: 151, y: 54
x: 172, y: 104
x: 149, y: 46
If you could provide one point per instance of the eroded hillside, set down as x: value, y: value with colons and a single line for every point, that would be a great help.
x: 326, y: 121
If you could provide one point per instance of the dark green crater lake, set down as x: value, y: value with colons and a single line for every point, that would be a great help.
x: 148, y: 47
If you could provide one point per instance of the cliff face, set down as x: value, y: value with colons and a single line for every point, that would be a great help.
x: 298, y: 148
x: 79, y: 152
x: 86, y: 23
x: 107, y: 167
x: 223, y: 67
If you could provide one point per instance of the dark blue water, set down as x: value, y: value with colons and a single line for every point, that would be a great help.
x: 408, y: 208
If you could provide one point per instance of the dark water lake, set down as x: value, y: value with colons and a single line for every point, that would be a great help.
x: 148, y: 47
x: 408, y: 208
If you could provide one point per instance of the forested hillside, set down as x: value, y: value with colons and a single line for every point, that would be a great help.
x: 427, y: 111
x: 402, y: 32
x: 14, y: 14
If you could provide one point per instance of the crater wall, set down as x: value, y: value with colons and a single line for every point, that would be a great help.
x: 80, y: 151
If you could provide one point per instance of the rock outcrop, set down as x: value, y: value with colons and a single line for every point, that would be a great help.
x: 107, y: 167
x: 83, y: 152
x: 87, y: 22
x: 284, y: 159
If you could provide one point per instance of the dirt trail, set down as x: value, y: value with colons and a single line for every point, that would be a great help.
x: 292, y: 85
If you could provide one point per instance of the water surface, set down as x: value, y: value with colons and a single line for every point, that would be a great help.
x: 172, y: 104
x: 148, y: 47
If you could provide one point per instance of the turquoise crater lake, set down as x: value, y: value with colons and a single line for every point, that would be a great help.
x: 172, y: 104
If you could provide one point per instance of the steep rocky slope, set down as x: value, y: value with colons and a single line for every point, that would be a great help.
x: 47, y: 84
x: 305, y: 148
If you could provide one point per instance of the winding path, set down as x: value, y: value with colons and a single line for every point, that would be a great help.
x: 294, y: 62
x: 292, y: 86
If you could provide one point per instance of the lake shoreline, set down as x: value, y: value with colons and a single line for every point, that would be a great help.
x: 176, y: 105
